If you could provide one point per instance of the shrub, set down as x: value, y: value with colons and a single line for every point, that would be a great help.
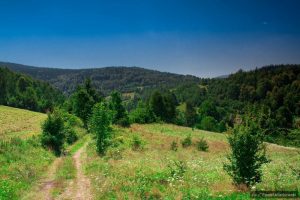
x: 187, y: 141
x: 174, y: 146
x: 137, y: 143
x: 53, y: 132
x: 247, y: 155
x: 202, y: 145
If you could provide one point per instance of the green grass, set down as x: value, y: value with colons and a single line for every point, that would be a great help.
x: 78, y: 144
x: 65, y: 172
x: 22, y: 162
x: 157, y: 172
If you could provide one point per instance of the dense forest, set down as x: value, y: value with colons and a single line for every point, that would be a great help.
x: 270, y: 94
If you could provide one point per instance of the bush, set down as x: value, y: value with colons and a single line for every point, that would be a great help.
x: 248, y: 154
x: 202, y: 145
x: 174, y: 146
x: 53, y: 132
x: 137, y: 143
x: 187, y: 141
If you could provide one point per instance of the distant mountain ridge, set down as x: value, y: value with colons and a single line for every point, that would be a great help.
x: 124, y: 79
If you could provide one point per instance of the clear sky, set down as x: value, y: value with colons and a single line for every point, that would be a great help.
x: 206, y: 38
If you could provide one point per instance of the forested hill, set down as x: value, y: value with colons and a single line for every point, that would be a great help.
x: 123, y: 79
x: 22, y: 91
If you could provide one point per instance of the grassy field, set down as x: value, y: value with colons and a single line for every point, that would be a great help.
x: 22, y: 159
x: 154, y: 171
x: 15, y: 122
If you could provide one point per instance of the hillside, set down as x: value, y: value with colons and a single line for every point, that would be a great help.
x: 151, y: 170
x: 123, y: 79
x: 155, y: 171
x: 22, y: 91
x: 18, y: 122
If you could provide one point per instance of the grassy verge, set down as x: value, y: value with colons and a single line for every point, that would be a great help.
x: 157, y: 172
x: 22, y: 162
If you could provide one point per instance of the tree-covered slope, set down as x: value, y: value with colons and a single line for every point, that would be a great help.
x: 22, y: 91
x: 123, y: 79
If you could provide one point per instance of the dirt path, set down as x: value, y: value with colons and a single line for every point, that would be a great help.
x: 78, y: 189
x: 46, y: 184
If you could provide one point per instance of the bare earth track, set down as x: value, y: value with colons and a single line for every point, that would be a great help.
x: 78, y: 189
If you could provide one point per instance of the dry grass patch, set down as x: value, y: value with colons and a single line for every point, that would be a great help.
x: 18, y: 122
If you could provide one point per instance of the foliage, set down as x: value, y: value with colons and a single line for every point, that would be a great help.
x: 70, y: 135
x: 19, y: 90
x: 190, y: 114
x: 163, y: 106
x: 247, y: 155
x: 202, y: 145
x: 137, y: 143
x: 116, y: 106
x: 177, y: 168
x: 142, y: 114
x: 186, y: 142
x: 53, y: 134
x: 124, y: 121
x: 83, y: 100
x: 157, y: 105
x: 174, y: 146
x: 208, y: 123
x: 100, y: 126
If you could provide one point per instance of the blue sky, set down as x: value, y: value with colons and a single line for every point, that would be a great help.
x: 206, y: 38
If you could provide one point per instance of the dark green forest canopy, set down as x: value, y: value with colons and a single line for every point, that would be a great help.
x: 22, y: 91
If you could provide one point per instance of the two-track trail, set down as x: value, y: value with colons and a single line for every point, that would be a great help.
x: 78, y: 188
